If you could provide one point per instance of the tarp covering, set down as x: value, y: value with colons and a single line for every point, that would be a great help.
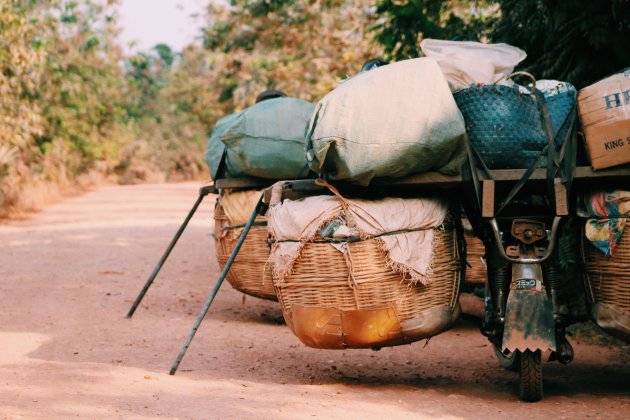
x: 265, y: 141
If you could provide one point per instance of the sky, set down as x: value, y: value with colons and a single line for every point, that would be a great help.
x: 150, y: 22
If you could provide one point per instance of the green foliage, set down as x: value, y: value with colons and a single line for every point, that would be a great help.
x: 20, y: 117
x: 169, y: 130
x: 62, y: 97
x: 579, y: 41
x: 302, y: 47
x: 403, y: 24
x: 81, y: 93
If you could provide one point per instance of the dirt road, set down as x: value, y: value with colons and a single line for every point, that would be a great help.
x: 69, y: 274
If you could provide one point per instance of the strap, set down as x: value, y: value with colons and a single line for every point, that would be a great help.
x: 344, y: 203
x: 521, y: 182
x: 569, y: 152
x: 224, y: 228
x: 485, y: 169
x: 471, y: 152
x: 545, y: 119
x: 353, y: 239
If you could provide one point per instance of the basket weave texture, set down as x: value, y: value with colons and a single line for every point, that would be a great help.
x: 363, y: 288
x: 476, y: 273
x: 505, y: 126
x: 608, y: 277
x: 249, y: 273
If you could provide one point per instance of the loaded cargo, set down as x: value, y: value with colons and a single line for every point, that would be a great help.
x: 365, y: 249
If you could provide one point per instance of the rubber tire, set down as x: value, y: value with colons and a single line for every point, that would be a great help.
x: 530, y: 386
x: 509, y: 362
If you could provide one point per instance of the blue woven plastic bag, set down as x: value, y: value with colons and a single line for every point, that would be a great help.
x: 505, y: 125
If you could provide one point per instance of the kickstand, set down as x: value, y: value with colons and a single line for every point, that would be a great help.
x: 261, y: 207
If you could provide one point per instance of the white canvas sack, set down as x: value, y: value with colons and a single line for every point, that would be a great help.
x: 388, y: 122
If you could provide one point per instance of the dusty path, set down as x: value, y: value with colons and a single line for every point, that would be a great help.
x: 69, y: 274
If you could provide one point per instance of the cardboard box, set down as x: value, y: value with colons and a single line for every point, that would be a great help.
x: 604, y: 110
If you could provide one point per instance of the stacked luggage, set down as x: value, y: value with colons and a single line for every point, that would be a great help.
x: 339, y: 284
x: 351, y: 291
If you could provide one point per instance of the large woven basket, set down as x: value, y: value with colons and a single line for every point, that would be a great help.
x: 476, y: 273
x: 608, y: 286
x: 326, y: 309
x: 248, y: 273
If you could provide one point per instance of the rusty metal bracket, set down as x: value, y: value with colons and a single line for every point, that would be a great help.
x: 525, y: 260
x: 528, y: 231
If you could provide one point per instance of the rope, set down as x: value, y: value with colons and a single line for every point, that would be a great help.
x: 356, y: 238
x: 344, y: 203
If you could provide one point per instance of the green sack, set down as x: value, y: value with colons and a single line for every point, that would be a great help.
x: 216, y: 148
x: 264, y: 141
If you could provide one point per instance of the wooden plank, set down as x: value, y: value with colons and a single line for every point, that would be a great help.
x: 434, y: 178
x: 588, y: 172
x: 562, y: 207
x: 229, y: 183
x: 425, y: 178
x: 541, y: 173
x: 487, y: 202
x: 513, y: 174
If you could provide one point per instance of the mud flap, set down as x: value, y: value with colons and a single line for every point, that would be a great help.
x: 529, y: 321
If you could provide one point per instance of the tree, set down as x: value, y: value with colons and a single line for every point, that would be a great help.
x: 302, y: 47
x: 579, y: 41
x: 20, y: 116
x: 61, y: 93
x: 403, y: 24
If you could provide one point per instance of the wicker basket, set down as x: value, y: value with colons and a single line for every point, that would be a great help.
x: 249, y: 273
x: 325, y: 309
x: 608, y: 286
x: 476, y: 272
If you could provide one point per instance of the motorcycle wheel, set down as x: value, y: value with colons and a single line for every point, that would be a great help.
x: 530, y: 387
x: 509, y: 361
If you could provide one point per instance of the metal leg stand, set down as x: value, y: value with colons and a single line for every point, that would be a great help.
x: 203, y: 191
x: 259, y: 210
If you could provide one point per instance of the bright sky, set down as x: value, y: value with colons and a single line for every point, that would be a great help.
x: 151, y: 22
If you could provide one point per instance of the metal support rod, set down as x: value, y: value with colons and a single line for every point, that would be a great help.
x: 203, y: 191
x: 259, y: 208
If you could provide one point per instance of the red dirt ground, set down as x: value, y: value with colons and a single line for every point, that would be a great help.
x: 69, y: 274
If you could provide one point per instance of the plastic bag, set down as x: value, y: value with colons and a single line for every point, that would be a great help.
x: 464, y: 62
